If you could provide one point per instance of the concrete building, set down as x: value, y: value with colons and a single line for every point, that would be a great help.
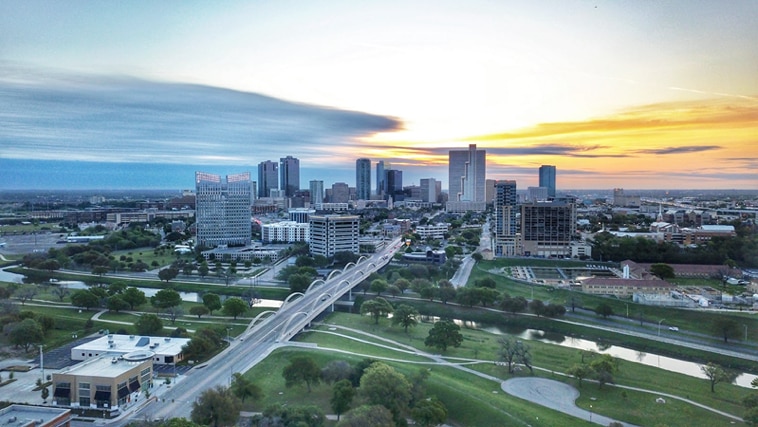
x: 34, y: 416
x: 289, y: 173
x: 547, y: 228
x: 380, y: 184
x: 340, y: 193
x: 466, y: 172
x: 435, y: 231
x: 285, y: 231
x: 165, y: 350
x: 268, y: 178
x: 317, y: 192
x: 330, y: 234
x: 547, y: 179
x: 222, y: 210
x: 536, y: 194
x: 507, y: 240
x: 393, y: 180
x: 109, y: 382
x: 625, y: 287
x: 430, y: 190
x: 363, y: 179
x: 300, y: 214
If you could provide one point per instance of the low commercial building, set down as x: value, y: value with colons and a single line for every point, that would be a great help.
x: 108, y: 382
x: 164, y: 350
x: 435, y: 231
x: 625, y: 287
x: 35, y: 416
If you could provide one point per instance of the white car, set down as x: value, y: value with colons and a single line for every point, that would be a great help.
x: 673, y: 328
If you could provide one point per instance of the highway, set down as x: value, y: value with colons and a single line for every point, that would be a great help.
x: 261, y: 338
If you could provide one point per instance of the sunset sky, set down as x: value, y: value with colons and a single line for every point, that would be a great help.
x: 140, y: 94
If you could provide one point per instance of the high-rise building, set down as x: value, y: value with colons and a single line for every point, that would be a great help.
x: 363, y: 179
x: 317, y: 192
x: 222, y: 209
x: 547, y: 179
x: 467, y: 171
x: 429, y: 190
x: 289, y: 170
x: 393, y: 180
x: 380, y: 178
x: 535, y: 194
x: 340, y: 193
x: 268, y: 178
x: 330, y: 234
x: 548, y: 227
x: 506, y: 226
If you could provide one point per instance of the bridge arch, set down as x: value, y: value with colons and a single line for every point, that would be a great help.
x: 340, y: 283
x: 361, y: 259
x: 332, y: 274
x: 291, y: 296
x: 348, y: 265
x: 313, y: 284
x: 283, y: 333
x: 320, y: 298
x: 259, y: 316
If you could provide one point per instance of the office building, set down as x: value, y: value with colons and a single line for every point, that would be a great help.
x: 340, y: 193
x: 547, y: 179
x: 285, y: 232
x: 393, y: 180
x: 35, y: 416
x: 380, y: 185
x: 166, y: 351
x: 430, y: 190
x: 289, y: 171
x: 317, y: 192
x: 536, y: 194
x: 330, y: 234
x: 548, y: 227
x: 222, y: 209
x: 507, y: 239
x: 268, y: 178
x: 363, y: 179
x: 466, y: 173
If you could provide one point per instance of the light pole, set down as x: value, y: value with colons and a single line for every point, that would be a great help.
x: 590, y: 413
x: 42, y: 363
x: 659, y: 326
x: 745, y: 331
x: 627, y: 310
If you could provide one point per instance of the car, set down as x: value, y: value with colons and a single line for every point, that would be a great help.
x: 673, y: 328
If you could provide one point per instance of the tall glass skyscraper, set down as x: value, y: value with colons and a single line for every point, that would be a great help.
x: 363, y: 179
x: 547, y: 179
x: 380, y: 184
x: 222, y: 209
x: 317, y: 191
x: 268, y: 178
x: 289, y: 169
x: 466, y: 172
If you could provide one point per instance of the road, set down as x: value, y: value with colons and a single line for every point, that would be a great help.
x: 261, y: 339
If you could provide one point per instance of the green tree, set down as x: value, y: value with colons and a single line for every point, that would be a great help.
x: 368, y: 415
x: 212, y: 302
x: 291, y: 415
x: 444, y: 334
x: 382, y: 385
x: 45, y: 392
x: 243, y: 388
x: 663, y: 271
x: 234, y: 307
x: 378, y: 286
x: 216, y: 407
x: 148, y: 324
x: 537, y: 307
x: 84, y: 298
x: 377, y: 307
x: 580, y: 371
x: 342, y: 397
x: 134, y: 297
x: 604, y: 310
x: 604, y: 367
x: 198, y: 310
x: 26, y: 333
x: 336, y: 370
x: 302, y: 369
x: 203, y: 269
x: 116, y: 303
x: 406, y: 316
x: 726, y: 328
x: 429, y: 412
x: 514, y: 351
x: 167, y: 274
x: 166, y: 298
x: 299, y: 282
x: 717, y: 374
x: 513, y: 305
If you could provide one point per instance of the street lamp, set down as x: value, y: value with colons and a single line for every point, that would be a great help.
x: 590, y: 413
x: 745, y: 331
x: 659, y: 326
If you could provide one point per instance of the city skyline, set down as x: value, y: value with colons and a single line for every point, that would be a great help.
x: 614, y: 94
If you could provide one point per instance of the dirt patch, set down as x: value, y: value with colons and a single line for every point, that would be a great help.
x: 17, y: 368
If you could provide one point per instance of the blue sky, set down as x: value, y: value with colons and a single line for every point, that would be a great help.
x: 615, y: 93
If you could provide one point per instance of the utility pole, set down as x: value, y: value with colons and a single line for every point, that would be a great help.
x: 42, y: 363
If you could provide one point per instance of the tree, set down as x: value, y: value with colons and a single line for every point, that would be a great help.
x: 604, y: 310
x: 382, y: 385
x: 406, y: 316
x: 377, y: 307
x: 167, y: 274
x: 579, y: 371
x: 663, y: 271
x: 45, y: 393
x: 603, y: 368
x: 26, y: 333
x: 342, y: 396
x: 514, y: 351
x: 302, y: 369
x: 134, y: 297
x: 513, y: 305
x: 60, y: 291
x: 116, y: 303
x: 368, y: 415
x: 726, y: 328
x: 166, y: 298
x: 84, y: 298
x: 203, y: 269
x: 212, y: 302
x: 429, y: 412
x: 402, y: 284
x: 443, y: 334
x: 378, y: 286
x: 537, y: 307
x: 148, y: 324
x: 336, y: 370
x: 25, y: 293
x: 198, y: 310
x: 216, y: 407
x: 174, y: 313
x: 243, y: 388
x: 716, y: 374
x: 234, y: 307
x: 299, y: 282
x: 291, y: 415
x: 446, y: 293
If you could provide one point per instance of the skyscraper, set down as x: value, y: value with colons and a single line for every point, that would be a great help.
x: 222, y: 209
x: 506, y: 226
x: 429, y: 192
x: 466, y: 173
x: 547, y: 179
x: 363, y: 179
x: 340, y: 193
x: 380, y: 186
x: 289, y: 169
x: 317, y: 191
x: 548, y: 227
x: 393, y: 183
x: 268, y: 178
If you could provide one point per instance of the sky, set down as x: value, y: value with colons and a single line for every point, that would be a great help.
x: 141, y: 94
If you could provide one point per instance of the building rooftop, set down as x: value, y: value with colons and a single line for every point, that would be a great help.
x: 122, y: 344
x: 26, y: 415
x: 106, y: 366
